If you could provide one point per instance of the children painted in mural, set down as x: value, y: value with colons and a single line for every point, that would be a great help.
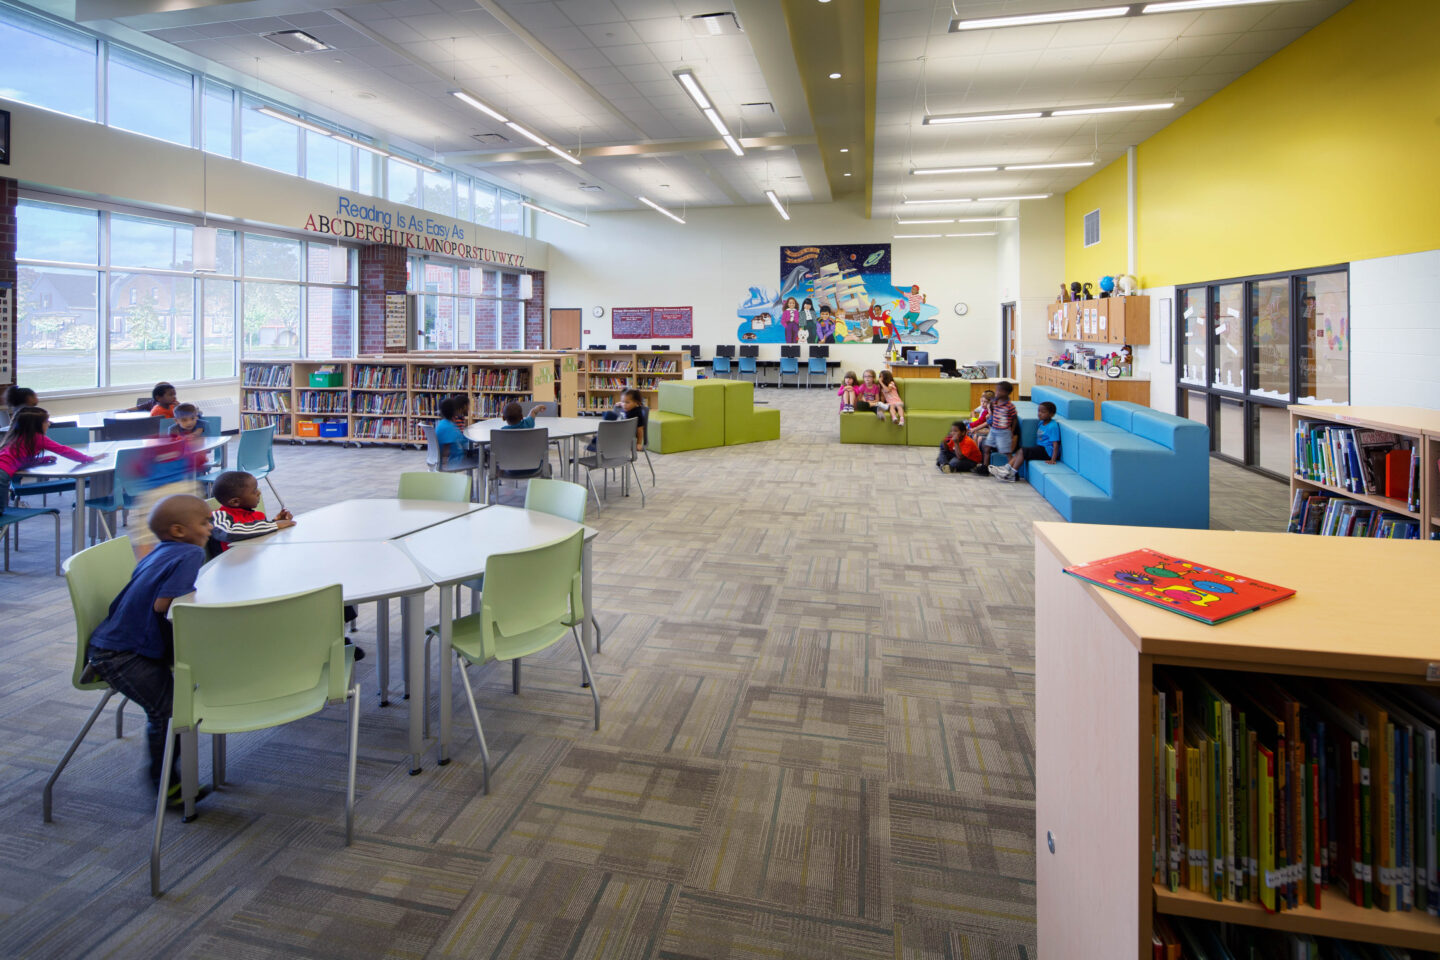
x: 890, y: 401
x: 826, y: 326
x: 958, y: 452
x: 914, y: 300
x: 809, y: 322
x: 790, y: 320
x: 848, y: 388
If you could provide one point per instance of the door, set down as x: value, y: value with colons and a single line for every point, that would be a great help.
x: 564, y: 329
x: 1010, y: 341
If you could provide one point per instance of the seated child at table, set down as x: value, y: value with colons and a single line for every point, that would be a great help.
x: 236, y: 519
x: 515, y: 419
x: 980, y: 417
x: 162, y: 468
x: 628, y: 407
x: 848, y: 385
x: 17, y: 398
x: 187, y: 421
x: 26, y: 443
x: 133, y: 647
x: 958, y: 453
x: 455, y: 450
x: 1047, y: 444
x: 162, y: 400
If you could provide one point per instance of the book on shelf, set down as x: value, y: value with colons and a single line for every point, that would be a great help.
x: 323, y: 401
x: 265, y: 375
x: 1332, y: 515
x: 1202, y: 593
x: 377, y: 377
x: 1297, y: 791
x: 266, y: 401
x: 258, y: 421
x: 455, y: 379
x: 1185, y: 938
x: 1358, y: 460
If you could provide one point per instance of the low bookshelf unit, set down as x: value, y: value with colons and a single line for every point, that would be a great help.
x: 605, y: 374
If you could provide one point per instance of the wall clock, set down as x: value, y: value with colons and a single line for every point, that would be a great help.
x: 961, y: 309
x: 597, y: 312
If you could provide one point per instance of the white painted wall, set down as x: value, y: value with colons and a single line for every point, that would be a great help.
x: 1042, y: 268
x: 1395, y: 333
x: 1147, y: 358
x: 643, y: 259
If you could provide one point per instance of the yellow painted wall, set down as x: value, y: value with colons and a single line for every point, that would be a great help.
x: 1104, y: 191
x: 1325, y: 153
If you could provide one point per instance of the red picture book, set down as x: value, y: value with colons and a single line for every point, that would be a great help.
x: 1189, y: 589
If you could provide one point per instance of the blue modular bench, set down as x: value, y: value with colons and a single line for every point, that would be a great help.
x: 1069, y: 405
x: 1134, y: 466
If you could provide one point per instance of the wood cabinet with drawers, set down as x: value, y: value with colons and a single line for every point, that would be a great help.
x: 1116, y: 320
x: 1096, y: 386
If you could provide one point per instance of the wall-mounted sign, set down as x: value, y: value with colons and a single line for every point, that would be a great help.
x: 371, y: 222
x: 652, y: 321
x: 397, y: 319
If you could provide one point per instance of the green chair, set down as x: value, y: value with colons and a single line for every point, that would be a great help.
x: 95, y: 578
x: 256, y: 665
x: 532, y: 599
x: 560, y: 498
x: 423, y: 485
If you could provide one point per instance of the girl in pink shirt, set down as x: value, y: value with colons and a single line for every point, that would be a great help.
x: 26, y: 442
x: 868, y: 393
x: 890, y: 399
x: 848, y: 386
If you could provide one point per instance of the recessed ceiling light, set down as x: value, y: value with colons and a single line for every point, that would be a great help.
x: 551, y: 213
x: 1029, y: 19
x: 296, y: 41
x: 844, y: 149
x: 834, y: 76
x: 775, y: 202
x: 659, y: 209
x: 847, y: 174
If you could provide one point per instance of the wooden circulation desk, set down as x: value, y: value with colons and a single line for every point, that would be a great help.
x: 915, y: 371
x: 1356, y: 615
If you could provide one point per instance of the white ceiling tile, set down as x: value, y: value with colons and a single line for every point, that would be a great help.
x: 1142, y: 51
x: 1165, y: 26
x: 661, y: 29
x: 1267, y: 42
x: 646, y: 9
x: 610, y: 34
x: 631, y: 53
x: 583, y: 12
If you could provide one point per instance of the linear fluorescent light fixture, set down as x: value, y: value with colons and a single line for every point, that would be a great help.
x: 475, y: 102
x: 1028, y: 196
x: 698, y: 96
x: 418, y: 165
x: 959, y: 220
x: 916, y: 236
x: 928, y: 171
x: 990, y: 234
x: 302, y: 124
x: 1047, y: 112
x: 925, y: 171
x: 915, y: 222
x: 959, y: 25
x: 563, y: 154
x: 775, y: 202
x: 941, y: 200
x: 551, y: 213
x: 530, y: 135
x: 1050, y: 166
x: 357, y: 142
x: 343, y: 138
x: 659, y: 209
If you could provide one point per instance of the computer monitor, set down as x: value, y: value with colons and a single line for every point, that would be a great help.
x: 749, y: 350
x: 790, y: 350
x: 628, y: 346
x: 820, y: 350
x: 659, y: 346
x: 596, y: 346
x: 693, y: 348
x: 725, y: 350
x: 905, y: 353
x: 920, y: 357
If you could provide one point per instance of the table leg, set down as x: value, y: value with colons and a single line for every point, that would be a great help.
x: 382, y: 648
x: 587, y: 630
x: 77, y: 531
x: 410, y: 623
x: 447, y: 593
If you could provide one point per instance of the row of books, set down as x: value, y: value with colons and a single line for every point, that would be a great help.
x: 1334, y: 516
x: 257, y: 421
x: 323, y: 401
x: 441, y: 378
x: 609, y: 383
x: 365, y: 377
x: 369, y: 428
x: 610, y: 366
x: 648, y: 383
x: 426, y: 405
x: 493, y: 379
x: 491, y: 404
x: 265, y: 375
x: 1359, y: 460
x: 655, y: 365
x: 1176, y: 938
x: 277, y: 401
x: 390, y: 403
x: 1278, y: 790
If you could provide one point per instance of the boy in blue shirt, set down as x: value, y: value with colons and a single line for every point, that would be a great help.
x: 133, y: 648
x: 455, y: 452
x: 515, y: 419
x: 1047, y: 445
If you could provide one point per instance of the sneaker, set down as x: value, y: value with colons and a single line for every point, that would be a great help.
x: 949, y: 469
x: 359, y: 654
x: 1000, y: 471
x: 942, y: 468
x: 847, y: 408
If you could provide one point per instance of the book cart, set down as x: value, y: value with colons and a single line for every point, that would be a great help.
x: 1313, y: 471
x: 386, y: 399
x: 605, y: 374
x: 1354, y: 618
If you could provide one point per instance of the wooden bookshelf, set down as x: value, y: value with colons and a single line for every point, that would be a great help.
x: 1094, y: 656
x: 604, y: 374
x: 1417, y: 424
x: 386, y: 399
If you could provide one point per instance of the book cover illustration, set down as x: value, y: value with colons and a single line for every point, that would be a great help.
x: 1189, y: 589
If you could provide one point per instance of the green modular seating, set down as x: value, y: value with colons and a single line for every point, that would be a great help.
x: 744, y: 423
x: 931, y: 406
x: 691, y: 416
x: 867, y: 428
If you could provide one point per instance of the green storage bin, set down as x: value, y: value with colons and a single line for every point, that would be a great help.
x: 336, y: 379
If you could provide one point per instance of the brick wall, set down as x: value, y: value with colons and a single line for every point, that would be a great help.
x: 382, y: 268
x: 535, y: 312
x: 9, y: 199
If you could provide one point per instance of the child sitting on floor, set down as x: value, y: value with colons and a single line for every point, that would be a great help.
x: 979, y: 424
x: 868, y: 393
x: 236, y: 519
x: 133, y: 647
x: 848, y: 385
x: 515, y: 419
x: 890, y: 400
x: 1047, y: 445
x: 958, y: 453
x: 26, y: 443
x: 187, y: 421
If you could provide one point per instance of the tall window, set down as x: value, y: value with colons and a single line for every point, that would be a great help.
x: 266, y: 141
x: 47, y: 65
x: 149, y: 97
x: 1248, y: 348
x: 463, y: 308
x: 327, y: 160
x: 218, y: 106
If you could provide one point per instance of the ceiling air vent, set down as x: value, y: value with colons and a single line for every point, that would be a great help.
x: 490, y: 139
x: 296, y: 41
x: 715, y: 24
x: 591, y: 187
x: 1092, y: 228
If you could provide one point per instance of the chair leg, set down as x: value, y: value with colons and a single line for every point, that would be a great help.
x: 217, y: 761
x: 585, y: 664
x: 165, y: 767
x: 120, y: 718
x: 591, y: 487
x: 57, y: 544
x: 475, y: 715
x: 515, y: 677
x: 650, y: 465
x: 74, y: 745
x: 350, y: 777
x: 638, y: 485
x: 272, y: 489
x: 598, y: 635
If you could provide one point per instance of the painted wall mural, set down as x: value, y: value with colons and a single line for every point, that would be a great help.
x: 837, y: 294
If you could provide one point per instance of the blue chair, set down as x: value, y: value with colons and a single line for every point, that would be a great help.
x: 816, y: 365
x: 720, y: 365
x: 747, y: 365
x: 256, y: 455
x: 13, y: 517
x: 790, y: 365
x: 123, y: 490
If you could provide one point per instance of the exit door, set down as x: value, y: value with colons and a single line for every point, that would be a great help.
x: 564, y: 329
x: 1010, y: 342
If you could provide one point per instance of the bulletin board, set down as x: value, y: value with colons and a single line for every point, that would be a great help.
x: 397, y: 319
x: 639, y: 322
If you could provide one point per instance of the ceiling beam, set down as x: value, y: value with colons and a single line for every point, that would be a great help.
x: 652, y: 148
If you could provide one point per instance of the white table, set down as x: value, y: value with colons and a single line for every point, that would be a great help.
x: 81, y: 472
x: 357, y: 520
x: 376, y: 570
x: 559, y: 428
x: 453, y: 552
